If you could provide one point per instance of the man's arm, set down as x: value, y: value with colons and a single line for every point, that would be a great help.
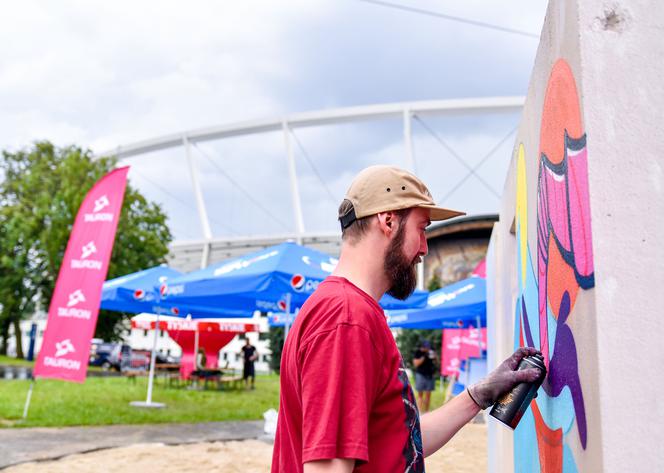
x: 418, y: 360
x: 338, y: 465
x: 440, y: 425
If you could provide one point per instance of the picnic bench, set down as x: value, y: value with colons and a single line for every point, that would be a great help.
x: 170, y: 372
x: 229, y: 381
x: 220, y: 379
x: 132, y: 373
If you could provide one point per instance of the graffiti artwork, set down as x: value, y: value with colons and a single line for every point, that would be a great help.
x: 549, y: 290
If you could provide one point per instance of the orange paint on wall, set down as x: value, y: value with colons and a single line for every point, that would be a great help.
x: 561, y: 113
x: 560, y: 278
x: 549, y: 444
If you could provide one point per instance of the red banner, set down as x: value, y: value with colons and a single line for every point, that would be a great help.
x: 460, y: 344
x: 72, y: 315
x: 149, y: 322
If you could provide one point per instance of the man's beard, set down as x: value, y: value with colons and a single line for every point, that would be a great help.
x: 400, y: 272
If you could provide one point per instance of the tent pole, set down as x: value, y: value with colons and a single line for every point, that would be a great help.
x: 479, y: 337
x: 450, y: 385
x: 148, y: 400
x: 153, y: 356
x: 440, y: 374
x: 467, y: 381
x: 288, y: 313
x: 27, y: 399
x: 196, y: 347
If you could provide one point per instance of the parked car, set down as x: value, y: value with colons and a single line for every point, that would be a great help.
x: 100, y: 354
x: 117, y: 356
x: 167, y: 359
x: 127, y: 359
x: 160, y: 358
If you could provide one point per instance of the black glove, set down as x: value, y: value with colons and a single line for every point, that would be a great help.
x: 501, y: 380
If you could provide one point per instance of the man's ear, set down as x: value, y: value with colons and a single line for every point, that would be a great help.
x: 387, y: 222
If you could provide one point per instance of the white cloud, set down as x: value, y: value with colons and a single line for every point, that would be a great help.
x: 105, y: 74
x: 127, y: 70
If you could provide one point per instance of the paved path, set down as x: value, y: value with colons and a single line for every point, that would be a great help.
x: 22, y: 445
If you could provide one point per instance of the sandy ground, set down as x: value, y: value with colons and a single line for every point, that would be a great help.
x: 465, y: 453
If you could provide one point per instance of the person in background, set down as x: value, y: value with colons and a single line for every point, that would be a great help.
x: 424, y: 360
x: 250, y: 355
x: 201, y: 360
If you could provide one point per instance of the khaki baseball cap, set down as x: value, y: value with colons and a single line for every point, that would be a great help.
x: 384, y: 188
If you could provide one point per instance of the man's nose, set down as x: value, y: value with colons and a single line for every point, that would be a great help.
x: 424, y: 247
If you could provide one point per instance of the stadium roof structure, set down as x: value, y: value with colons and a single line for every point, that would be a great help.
x: 194, y: 254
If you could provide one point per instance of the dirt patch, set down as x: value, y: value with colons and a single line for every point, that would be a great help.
x: 465, y: 453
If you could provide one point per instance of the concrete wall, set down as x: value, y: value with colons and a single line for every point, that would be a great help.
x: 576, y: 259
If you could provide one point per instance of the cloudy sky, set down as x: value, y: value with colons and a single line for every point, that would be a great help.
x: 105, y: 74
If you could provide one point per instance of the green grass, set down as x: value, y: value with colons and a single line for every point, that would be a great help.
x: 9, y: 361
x: 436, y: 396
x: 105, y: 400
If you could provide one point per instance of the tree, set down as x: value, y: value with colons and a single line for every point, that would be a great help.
x: 276, y: 338
x: 43, y: 189
x: 19, y: 227
x: 408, y: 340
x: 434, y: 283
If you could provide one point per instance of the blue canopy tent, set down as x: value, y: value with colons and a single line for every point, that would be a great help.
x: 278, y: 279
x: 137, y: 292
x: 458, y: 305
x: 147, y: 291
x: 417, y: 299
x: 263, y: 280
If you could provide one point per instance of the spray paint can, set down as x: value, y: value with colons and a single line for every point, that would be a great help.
x: 510, y: 408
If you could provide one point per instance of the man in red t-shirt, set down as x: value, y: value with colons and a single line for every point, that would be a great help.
x: 346, y: 403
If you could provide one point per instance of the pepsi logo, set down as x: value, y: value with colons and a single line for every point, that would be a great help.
x: 300, y: 284
x: 297, y: 282
x: 460, y: 323
x: 175, y: 311
x: 139, y: 294
x: 282, y: 305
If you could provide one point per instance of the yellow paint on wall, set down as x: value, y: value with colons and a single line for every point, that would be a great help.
x: 522, y: 210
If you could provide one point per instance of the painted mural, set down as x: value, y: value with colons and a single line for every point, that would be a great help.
x: 551, y: 276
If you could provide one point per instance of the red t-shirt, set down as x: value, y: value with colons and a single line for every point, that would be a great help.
x: 344, y: 388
